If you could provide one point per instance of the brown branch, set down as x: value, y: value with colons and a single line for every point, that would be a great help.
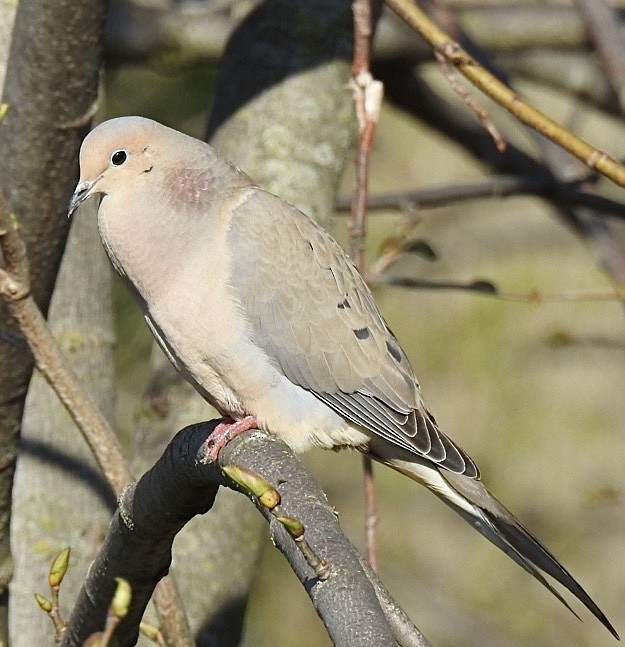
x: 368, y: 99
x: 500, y: 186
x: 49, y: 359
x: 480, y: 112
x: 603, y: 26
x: 15, y: 288
x: 488, y: 288
x: 506, y: 97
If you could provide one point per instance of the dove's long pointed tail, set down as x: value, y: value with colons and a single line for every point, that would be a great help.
x: 469, y: 498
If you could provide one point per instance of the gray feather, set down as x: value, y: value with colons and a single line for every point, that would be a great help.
x: 333, y: 342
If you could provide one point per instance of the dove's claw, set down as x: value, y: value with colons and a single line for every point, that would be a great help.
x: 224, y: 432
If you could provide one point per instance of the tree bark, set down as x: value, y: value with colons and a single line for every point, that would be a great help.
x: 49, y: 90
x: 183, y: 484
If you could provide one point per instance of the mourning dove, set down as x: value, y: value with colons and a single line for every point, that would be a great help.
x: 264, y: 314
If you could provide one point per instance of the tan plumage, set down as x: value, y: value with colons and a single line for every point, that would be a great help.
x: 265, y: 315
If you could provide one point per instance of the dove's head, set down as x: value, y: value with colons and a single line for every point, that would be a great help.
x: 114, y: 153
x: 131, y: 156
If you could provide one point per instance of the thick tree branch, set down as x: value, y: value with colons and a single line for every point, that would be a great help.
x: 180, y: 486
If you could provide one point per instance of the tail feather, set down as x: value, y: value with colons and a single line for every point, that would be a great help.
x: 469, y: 498
x: 488, y: 529
x: 500, y: 527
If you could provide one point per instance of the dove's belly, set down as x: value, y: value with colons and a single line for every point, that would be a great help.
x: 246, y: 382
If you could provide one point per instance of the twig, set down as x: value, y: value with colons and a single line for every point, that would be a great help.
x: 406, y: 633
x: 506, y: 97
x: 489, y: 289
x: 368, y: 99
x: 603, y: 26
x: 457, y: 86
x: 442, y: 15
x: 500, y: 186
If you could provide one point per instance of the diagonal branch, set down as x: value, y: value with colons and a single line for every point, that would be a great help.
x: 49, y: 359
x: 506, y: 97
x: 603, y: 26
x: 181, y: 485
x: 15, y: 288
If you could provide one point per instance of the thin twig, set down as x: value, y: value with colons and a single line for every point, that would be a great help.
x: 368, y: 99
x: 500, y: 186
x: 506, y: 97
x: 480, y: 112
x: 488, y: 288
x: 603, y: 26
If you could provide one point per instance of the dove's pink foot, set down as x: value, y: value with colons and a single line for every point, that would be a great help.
x: 225, y: 431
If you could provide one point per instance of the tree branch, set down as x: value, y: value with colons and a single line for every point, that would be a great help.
x: 506, y: 97
x: 15, y: 288
x: 498, y: 186
x: 602, y: 24
x: 368, y: 93
x: 180, y: 486
x: 49, y: 359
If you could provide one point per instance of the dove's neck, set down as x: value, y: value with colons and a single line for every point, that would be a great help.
x: 162, y: 242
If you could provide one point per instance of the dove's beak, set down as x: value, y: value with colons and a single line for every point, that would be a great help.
x: 81, y: 193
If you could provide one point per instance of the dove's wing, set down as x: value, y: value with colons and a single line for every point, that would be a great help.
x: 313, y: 314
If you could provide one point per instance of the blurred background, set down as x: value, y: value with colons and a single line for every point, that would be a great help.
x: 534, y: 390
x: 527, y: 375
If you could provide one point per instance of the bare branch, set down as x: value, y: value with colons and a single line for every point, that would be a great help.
x: 488, y: 288
x: 506, y: 97
x: 181, y: 485
x: 368, y: 95
x: 603, y: 26
x: 499, y: 186
x: 15, y: 288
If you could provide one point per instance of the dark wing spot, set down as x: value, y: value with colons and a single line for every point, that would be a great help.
x: 394, y: 349
x: 362, y: 333
x: 343, y: 304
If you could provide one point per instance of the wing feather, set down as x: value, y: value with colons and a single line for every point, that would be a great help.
x: 314, y: 316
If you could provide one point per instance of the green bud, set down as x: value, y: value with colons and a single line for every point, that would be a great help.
x: 255, y: 484
x: 121, y: 598
x: 44, y: 603
x: 294, y: 527
x: 59, y: 568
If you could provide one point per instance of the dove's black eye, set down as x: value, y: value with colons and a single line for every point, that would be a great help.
x: 119, y: 157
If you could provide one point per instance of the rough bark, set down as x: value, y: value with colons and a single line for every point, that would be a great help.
x: 49, y: 89
x: 181, y: 485
x: 286, y: 99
